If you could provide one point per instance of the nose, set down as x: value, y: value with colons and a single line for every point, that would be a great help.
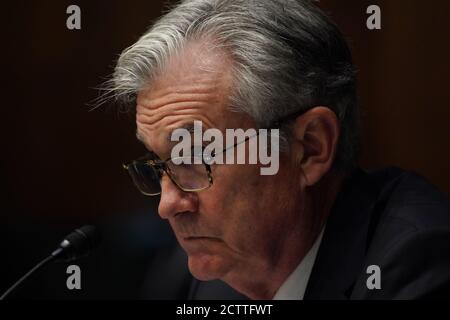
x: 174, y: 200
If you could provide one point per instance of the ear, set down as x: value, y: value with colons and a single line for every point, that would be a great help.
x: 316, y: 133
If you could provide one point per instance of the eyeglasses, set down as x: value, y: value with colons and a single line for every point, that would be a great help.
x: 190, y: 174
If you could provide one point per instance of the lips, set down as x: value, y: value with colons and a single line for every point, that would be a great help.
x: 194, y: 238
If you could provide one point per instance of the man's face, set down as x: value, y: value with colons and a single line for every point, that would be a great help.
x: 240, y: 222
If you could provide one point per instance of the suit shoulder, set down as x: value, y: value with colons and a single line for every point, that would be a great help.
x: 411, y: 200
x: 409, y: 238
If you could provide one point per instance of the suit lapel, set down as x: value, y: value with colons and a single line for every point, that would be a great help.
x: 343, y: 249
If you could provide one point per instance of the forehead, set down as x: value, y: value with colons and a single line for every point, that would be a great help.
x: 194, y: 85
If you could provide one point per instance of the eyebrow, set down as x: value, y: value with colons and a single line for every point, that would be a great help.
x: 141, y: 139
x: 138, y: 136
x: 188, y: 126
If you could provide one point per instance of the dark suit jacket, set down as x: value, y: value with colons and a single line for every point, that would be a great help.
x: 389, y: 218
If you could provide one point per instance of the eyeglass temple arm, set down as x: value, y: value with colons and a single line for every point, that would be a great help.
x: 238, y: 143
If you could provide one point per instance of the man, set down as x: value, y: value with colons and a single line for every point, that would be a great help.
x: 320, y: 228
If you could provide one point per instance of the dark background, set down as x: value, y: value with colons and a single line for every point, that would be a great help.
x: 61, y: 163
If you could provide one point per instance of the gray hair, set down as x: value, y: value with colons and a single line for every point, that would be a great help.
x: 287, y: 57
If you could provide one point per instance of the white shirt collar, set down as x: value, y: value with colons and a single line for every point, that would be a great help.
x: 294, y: 286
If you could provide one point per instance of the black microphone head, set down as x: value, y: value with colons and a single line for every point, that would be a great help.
x: 78, y: 244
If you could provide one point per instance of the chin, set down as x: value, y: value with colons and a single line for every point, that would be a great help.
x: 206, y: 267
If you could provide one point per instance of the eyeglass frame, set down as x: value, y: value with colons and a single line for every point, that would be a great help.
x: 159, y: 165
x: 162, y: 164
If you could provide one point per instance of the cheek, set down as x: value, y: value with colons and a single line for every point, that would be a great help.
x: 262, y: 209
x: 235, y: 206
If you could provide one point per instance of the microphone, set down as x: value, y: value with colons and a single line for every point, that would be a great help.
x: 77, y: 244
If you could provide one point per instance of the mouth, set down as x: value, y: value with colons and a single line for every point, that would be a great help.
x: 200, y: 238
x: 201, y: 245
